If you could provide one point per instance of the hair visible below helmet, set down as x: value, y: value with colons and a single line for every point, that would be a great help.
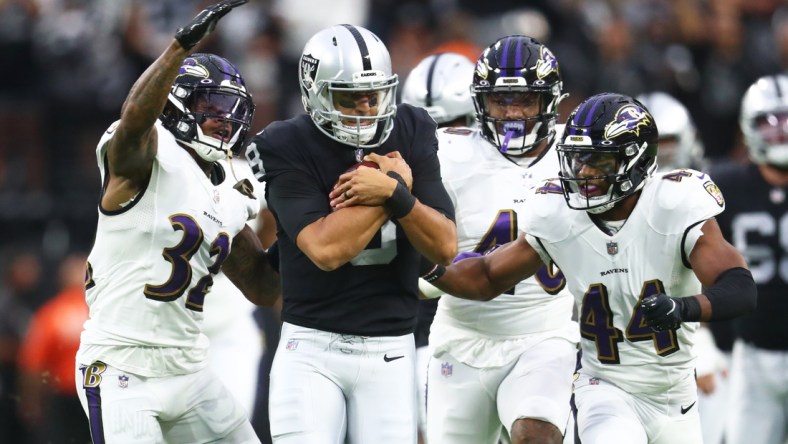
x: 764, y: 120
x: 614, y: 125
x: 440, y: 84
x: 679, y: 144
x: 347, y: 58
x: 517, y: 64
x: 208, y: 87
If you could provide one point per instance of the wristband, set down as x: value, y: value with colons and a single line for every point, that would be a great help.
x: 435, y: 273
x: 689, y: 308
x: 400, y: 203
x: 397, y: 177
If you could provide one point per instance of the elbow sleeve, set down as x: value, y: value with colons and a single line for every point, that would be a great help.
x: 733, y: 294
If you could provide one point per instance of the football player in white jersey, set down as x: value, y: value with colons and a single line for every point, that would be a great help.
x: 505, y: 365
x: 635, y: 248
x: 169, y: 213
x: 439, y: 84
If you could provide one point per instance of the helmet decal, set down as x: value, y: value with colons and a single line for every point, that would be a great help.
x: 546, y: 64
x: 191, y: 67
x: 629, y: 119
x: 482, y: 68
x: 309, y: 67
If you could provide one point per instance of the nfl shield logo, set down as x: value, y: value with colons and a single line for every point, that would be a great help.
x: 123, y: 381
x: 446, y: 369
x: 612, y: 248
x: 216, y: 197
x: 292, y: 344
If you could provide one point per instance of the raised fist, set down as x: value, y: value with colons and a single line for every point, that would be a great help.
x: 204, y: 23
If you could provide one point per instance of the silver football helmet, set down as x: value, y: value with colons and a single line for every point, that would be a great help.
x: 440, y: 83
x: 348, y: 61
x: 764, y: 120
x: 679, y: 144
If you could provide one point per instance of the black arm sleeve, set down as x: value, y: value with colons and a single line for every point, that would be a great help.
x: 733, y: 294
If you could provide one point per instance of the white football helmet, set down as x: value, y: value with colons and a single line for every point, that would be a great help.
x: 679, y: 144
x: 348, y: 59
x: 764, y: 120
x: 440, y: 83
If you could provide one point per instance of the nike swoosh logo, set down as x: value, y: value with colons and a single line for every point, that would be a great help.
x: 393, y: 358
x: 687, y: 409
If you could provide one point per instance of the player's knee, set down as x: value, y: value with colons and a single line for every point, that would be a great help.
x: 534, y: 431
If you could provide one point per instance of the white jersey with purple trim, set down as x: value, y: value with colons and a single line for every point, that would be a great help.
x: 152, y: 264
x: 609, y: 275
x: 488, y: 191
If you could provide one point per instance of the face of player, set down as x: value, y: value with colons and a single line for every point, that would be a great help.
x: 357, y: 103
x: 512, y: 105
x: 595, y: 168
x: 215, y: 110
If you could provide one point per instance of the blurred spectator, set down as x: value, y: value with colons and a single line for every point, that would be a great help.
x: 48, y: 399
x: 21, y: 283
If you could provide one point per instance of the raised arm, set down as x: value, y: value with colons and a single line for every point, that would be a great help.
x: 485, y: 277
x: 130, y: 152
x: 249, y: 269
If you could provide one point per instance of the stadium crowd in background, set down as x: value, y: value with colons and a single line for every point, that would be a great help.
x: 73, y: 61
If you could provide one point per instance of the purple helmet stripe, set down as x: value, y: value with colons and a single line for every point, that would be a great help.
x: 518, y: 55
x: 504, y: 62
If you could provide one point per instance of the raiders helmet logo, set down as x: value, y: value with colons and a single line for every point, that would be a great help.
x: 309, y: 67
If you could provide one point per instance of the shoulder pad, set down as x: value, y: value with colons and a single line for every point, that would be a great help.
x: 681, y: 198
x: 546, y: 214
x: 459, y: 151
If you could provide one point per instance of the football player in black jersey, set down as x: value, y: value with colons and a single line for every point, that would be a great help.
x: 344, y: 368
x: 756, y: 223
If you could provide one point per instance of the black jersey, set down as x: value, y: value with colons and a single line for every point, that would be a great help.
x: 375, y: 294
x: 756, y: 223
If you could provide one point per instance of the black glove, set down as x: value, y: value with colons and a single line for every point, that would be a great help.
x: 662, y: 312
x: 204, y: 23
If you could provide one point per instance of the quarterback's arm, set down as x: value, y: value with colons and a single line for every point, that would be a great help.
x: 248, y: 268
x: 728, y: 286
x: 431, y: 233
x: 335, y: 239
x: 485, y: 277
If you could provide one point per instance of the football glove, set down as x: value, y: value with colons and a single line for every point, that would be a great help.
x: 204, y: 23
x: 662, y: 312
